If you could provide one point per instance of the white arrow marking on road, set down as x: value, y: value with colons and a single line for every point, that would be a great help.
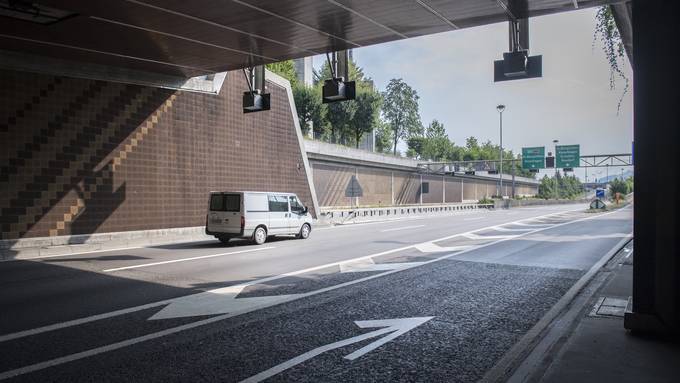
x: 476, y: 236
x: 218, y: 301
x: 500, y: 228
x: 393, y: 327
x: 365, y: 265
x: 528, y: 224
x: 429, y: 247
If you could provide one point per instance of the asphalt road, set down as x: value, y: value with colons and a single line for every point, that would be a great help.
x: 429, y: 299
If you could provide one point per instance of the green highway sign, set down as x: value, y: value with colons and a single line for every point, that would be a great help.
x: 568, y: 156
x: 533, y: 158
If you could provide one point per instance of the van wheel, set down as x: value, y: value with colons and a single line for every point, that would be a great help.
x: 260, y: 235
x: 224, y: 240
x: 304, y: 231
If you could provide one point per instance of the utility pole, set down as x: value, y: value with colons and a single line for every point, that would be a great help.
x: 500, y: 109
x: 557, y: 184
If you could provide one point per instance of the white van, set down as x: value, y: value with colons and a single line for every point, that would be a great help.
x: 256, y: 215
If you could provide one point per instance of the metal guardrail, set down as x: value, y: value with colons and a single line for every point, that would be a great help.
x: 395, y: 211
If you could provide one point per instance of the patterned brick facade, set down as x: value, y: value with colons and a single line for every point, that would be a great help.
x: 83, y: 156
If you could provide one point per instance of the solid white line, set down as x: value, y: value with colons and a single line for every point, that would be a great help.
x: 132, y: 341
x: 401, y: 228
x: 187, y: 259
x: 473, y: 218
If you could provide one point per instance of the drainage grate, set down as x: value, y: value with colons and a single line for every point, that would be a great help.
x: 609, y: 307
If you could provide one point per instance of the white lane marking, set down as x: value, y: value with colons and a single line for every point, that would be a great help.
x: 66, y: 255
x: 476, y: 237
x: 187, y: 259
x: 132, y: 341
x: 528, y: 224
x: 473, y: 218
x: 396, y: 327
x: 429, y: 247
x: 501, y: 228
x: 401, y: 228
x: 79, y: 321
x: 369, y: 265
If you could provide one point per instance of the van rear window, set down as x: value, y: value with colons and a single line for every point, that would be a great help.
x: 225, y: 202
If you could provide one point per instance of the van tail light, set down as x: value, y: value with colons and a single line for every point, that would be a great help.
x: 243, y: 222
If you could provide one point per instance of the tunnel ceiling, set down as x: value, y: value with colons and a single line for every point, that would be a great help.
x: 190, y: 38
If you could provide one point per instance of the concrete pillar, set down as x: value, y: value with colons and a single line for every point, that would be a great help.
x: 421, y: 189
x: 443, y: 189
x: 392, y: 186
x: 462, y: 191
x: 656, y: 270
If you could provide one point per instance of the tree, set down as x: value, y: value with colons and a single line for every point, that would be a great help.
x: 366, y: 114
x: 285, y: 69
x: 437, y: 145
x: 309, y: 110
x: 618, y: 186
x: 400, y: 109
x: 383, y: 137
x: 339, y: 115
x: 612, y: 45
x: 415, y: 146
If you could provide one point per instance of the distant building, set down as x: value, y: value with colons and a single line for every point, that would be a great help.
x: 304, y: 68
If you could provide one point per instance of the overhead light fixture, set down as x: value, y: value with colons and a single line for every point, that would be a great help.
x: 517, y: 64
x: 33, y: 12
x: 338, y: 88
x: 255, y: 99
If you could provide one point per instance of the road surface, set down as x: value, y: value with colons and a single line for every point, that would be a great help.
x: 427, y: 299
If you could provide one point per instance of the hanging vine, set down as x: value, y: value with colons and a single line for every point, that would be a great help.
x: 612, y: 45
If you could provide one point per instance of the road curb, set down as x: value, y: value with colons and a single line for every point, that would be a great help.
x: 512, y: 359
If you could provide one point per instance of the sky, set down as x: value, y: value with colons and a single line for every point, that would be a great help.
x: 453, y: 75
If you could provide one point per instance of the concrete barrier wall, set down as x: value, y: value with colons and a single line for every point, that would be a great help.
x: 386, y: 187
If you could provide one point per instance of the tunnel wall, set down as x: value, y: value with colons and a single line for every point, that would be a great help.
x: 379, y: 185
x: 83, y: 156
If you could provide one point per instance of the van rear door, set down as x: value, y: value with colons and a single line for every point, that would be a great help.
x: 225, y: 213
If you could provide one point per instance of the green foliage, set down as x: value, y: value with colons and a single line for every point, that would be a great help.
x: 612, y: 44
x: 400, y: 110
x: 285, y: 69
x: 309, y: 110
x: 630, y: 183
x: 560, y: 187
x: 383, y: 137
x: 366, y: 114
x: 485, y: 201
x: 618, y: 186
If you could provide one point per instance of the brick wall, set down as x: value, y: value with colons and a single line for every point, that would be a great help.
x: 82, y: 156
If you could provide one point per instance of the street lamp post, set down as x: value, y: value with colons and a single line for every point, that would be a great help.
x: 557, y: 185
x: 500, y: 109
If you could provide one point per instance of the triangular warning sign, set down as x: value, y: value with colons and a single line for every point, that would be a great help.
x: 353, y: 188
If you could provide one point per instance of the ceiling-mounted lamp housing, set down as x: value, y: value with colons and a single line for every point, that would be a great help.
x: 338, y: 88
x: 517, y: 64
x: 255, y: 99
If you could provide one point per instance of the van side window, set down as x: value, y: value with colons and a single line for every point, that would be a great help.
x: 295, y: 206
x: 278, y: 203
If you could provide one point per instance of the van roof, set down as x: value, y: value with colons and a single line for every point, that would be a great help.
x: 251, y: 192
